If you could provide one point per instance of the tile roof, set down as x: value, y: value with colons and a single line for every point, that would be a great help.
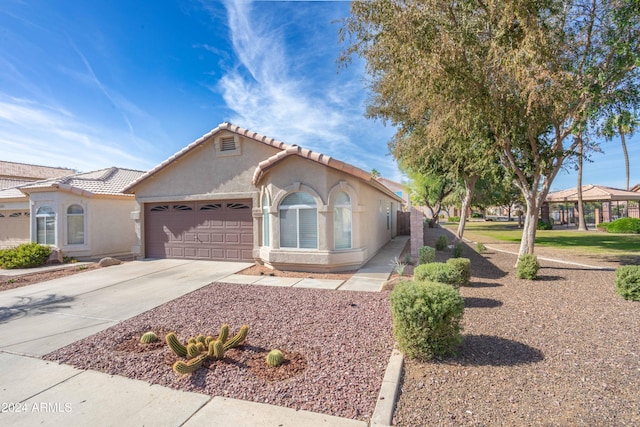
x: 11, y: 183
x: 12, y: 193
x: 592, y: 193
x: 109, y: 181
x: 286, y: 151
x: 31, y: 172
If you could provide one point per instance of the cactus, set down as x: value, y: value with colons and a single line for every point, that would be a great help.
x: 148, y: 337
x: 200, y: 338
x: 189, y: 367
x: 209, y: 339
x: 224, y: 333
x: 201, y: 347
x: 275, y: 358
x: 175, y: 345
x: 238, y: 338
x: 216, y: 350
x: 192, y: 351
x: 191, y: 340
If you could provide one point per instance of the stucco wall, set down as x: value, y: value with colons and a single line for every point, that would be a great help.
x: 14, y: 224
x: 109, y: 230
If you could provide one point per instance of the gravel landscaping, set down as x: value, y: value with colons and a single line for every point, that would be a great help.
x: 561, y: 350
x: 337, y: 343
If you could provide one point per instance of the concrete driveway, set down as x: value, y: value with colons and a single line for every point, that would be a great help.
x: 38, y: 319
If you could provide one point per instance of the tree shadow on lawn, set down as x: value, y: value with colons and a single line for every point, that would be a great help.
x: 473, y: 302
x: 485, y: 350
x: 27, y: 306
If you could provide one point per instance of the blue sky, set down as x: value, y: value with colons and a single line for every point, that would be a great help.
x: 93, y: 84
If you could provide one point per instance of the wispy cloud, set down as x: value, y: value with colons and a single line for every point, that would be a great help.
x: 274, y: 88
x: 31, y: 130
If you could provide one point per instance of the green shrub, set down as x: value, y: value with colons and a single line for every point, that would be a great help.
x: 627, y: 281
x: 602, y: 226
x: 463, y: 267
x: 477, y: 215
x: 481, y: 248
x: 542, y: 225
x: 457, y: 250
x: 427, y: 319
x: 441, y: 243
x: 24, y: 256
x: 426, y: 254
x: 528, y: 267
x: 454, y: 219
x: 438, y: 272
x: 624, y: 225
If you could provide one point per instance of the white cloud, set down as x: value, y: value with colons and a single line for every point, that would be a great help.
x: 274, y: 89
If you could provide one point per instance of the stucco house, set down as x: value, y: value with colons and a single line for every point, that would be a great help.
x: 15, y: 215
x: 234, y: 194
x: 86, y: 215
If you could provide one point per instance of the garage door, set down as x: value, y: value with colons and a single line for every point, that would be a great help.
x: 215, y: 230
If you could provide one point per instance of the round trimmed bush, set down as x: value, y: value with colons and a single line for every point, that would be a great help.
x: 427, y: 319
x: 627, y: 281
x: 463, y: 267
x: 426, y: 254
x: 26, y: 255
x: 528, y: 267
x: 438, y: 272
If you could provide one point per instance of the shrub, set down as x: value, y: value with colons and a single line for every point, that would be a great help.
x: 542, y: 225
x: 24, y: 256
x: 528, y: 267
x: 441, y: 243
x: 627, y: 281
x: 454, y: 219
x: 463, y: 268
x: 426, y: 254
x: 426, y: 319
x: 624, y: 225
x: 602, y: 226
x: 481, y: 248
x: 398, y: 266
x: 457, y: 250
x: 440, y: 272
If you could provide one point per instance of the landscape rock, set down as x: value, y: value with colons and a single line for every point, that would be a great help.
x: 108, y: 261
x: 56, y: 256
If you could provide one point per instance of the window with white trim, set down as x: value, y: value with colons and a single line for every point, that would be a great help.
x: 75, y: 225
x: 46, y: 226
x: 298, y: 221
x: 342, y: 221
x: 265, y: 220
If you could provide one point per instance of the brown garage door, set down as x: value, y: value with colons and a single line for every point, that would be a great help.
x: 216, y: 230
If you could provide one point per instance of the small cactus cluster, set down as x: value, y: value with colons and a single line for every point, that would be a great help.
x: 148, y: 337
x: 200, y: 348
x: 275, y: 358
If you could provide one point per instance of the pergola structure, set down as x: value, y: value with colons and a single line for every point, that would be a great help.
x: 594, y: 193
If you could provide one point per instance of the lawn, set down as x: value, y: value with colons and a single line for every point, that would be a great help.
x: 563, y: 238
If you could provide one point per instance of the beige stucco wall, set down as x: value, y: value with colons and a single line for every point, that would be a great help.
x: 14, y: 224
x: 109, y: 230
x: 369, y: 216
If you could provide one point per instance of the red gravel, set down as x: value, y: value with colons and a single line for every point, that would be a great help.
x: 338, y: 344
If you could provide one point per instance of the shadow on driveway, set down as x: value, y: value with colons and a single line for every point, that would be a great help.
x: 27, y: 306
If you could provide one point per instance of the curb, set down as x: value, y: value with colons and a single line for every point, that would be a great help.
x: 385, y: 406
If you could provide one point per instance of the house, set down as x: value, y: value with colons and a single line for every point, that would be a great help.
x: 234, y: 194
x: 86, y: 215
x: 14, y: 205
x: 398, y: 188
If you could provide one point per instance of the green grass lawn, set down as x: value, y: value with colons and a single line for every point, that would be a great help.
x: 592, y: 241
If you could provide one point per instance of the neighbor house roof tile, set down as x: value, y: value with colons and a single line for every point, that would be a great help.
x: 31, y: 172
x: 109, y: 181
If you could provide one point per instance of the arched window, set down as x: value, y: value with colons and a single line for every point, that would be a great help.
x: 342, y: 221
x: 265, y: 220
x: 46, y: 226
x: 75, y: 225
x: 299, y: 222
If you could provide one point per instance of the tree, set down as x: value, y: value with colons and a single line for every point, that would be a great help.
x: 622, y: 123
x: 430, y: 190
x: 530, y: 69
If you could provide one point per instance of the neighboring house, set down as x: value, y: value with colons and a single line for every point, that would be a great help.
x: 14, y: 205
x: 236, y: 195
x: 399, y: 189
x: 86, y: 215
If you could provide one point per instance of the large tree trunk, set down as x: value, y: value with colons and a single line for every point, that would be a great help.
x: 469, y: 187
x: 530, y: 227
x: 582, y: 224
x: 626, y: 164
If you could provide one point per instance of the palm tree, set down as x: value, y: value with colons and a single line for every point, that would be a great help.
x: 623, y: 123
